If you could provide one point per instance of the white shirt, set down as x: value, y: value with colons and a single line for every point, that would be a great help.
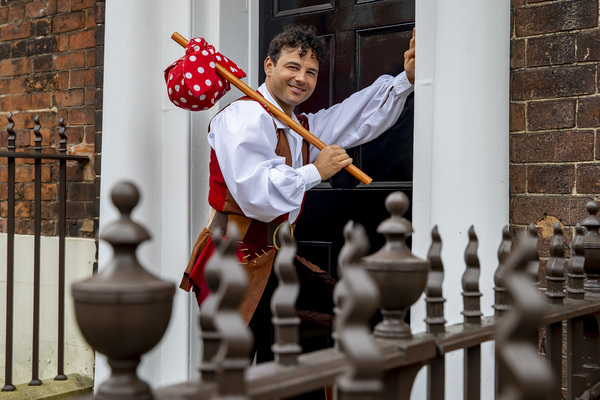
x: 244, y: 139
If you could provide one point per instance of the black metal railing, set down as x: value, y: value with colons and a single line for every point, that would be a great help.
x: 12, y: 154
x: 382, y: 362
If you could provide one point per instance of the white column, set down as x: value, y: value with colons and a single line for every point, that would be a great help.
x: 146, y: 140
x: 461, y: 141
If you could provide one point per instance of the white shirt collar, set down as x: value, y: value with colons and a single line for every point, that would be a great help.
x: 267, y: 95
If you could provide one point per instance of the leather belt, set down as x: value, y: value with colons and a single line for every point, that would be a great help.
x: 255, y: 232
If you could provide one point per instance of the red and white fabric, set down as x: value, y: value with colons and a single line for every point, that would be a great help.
x: 192, y: 81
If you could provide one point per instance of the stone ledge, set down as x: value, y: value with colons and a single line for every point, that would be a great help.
x: 75, y: 385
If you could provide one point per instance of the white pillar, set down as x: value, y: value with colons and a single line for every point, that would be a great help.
x: 461, y: 141
x: 146, y: 140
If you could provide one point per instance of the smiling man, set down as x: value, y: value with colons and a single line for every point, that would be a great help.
x: 260, y: 171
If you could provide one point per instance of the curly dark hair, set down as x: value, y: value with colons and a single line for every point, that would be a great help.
x: 293, y: 37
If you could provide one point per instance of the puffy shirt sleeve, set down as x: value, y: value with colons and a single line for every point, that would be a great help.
x: 363, y: 116
x: 244, y: 139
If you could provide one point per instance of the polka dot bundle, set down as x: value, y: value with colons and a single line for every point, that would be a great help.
x: 192, y: 81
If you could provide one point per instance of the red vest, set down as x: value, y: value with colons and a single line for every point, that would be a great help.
x: 219, y: 196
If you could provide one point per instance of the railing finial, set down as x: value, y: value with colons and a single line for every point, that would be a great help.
x: 501, y: 301
x: 575, y: 271
x: 470, y: 282
x: 434, y: 296
x: 591, y: 248
x: 555, y: 268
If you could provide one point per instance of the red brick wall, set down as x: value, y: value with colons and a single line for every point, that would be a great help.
x: 51, y: 65
x: 554, y: 113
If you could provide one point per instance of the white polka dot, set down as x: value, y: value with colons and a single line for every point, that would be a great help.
x: 196, y: 87
x: 205, y: 108
x: 225, y: 58
x: 218, y: 58
x: 190, y: 93
x: 202, y: 97
x: 183, y: 100
x: 212, y: 51
x: 220, y: 83
x: 201, y: 70
x: 170, y: 91
x: 216, y: 94
x: 175, y: 102
x: 188, y: 75
x: 195, y: 106
x: 212, y: 64
x: 198, y: 40
x: 212, y: 101
x: 182, y: 81
x: 208, y: 82
x: 204, y: 52
x: 192, y: 58
x: 196, y: 48
x: 177, y: 87
x: 233, y: 69
x: 170, y: 76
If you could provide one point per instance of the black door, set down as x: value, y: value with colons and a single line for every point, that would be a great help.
x: 366, y: 38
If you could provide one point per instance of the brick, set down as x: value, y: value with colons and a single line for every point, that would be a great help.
x: 81, y: 116
x: 63, y: 43
x: 80, y: 191
x: 16, y: 13
x: 18, y: 48
x: 47, y: 192
x: 98, y: 120
x: 63, y: 80
x: 550, y: 50
x: 43, y: 63
x: 517, y: 53
x: 516, y: 3
x: 554, y: 114
x: 97, y: 164
x: 90, y: 17
x: 99, y: 55
x: 5, y: 50
x: 23, y: 209
x: 68, y: 22
x: 70, y: 60
x: 23, y: 173
x: 15, y: 31
x: 41, y: 27
x: 567, y: 209
x: 516, y: 117
x: 41, y: 100
x: 24, y: 226
x: 556, y: 17
x: 587, y: 46
x: 553, y: 83
x: 588, y: 179
x: 69, y: 98
x: 597, y: 147
x: 100, y: 12
x: 90, y: 58
x: 15, y: 102
x: 42, y: 82
x: 81, y: 149
x: 41, y: 8
x: 552, y: 179
x: 82, y: 4
x: 63, y: 6
x: 517, y: 176
x: 3, y: 15
x: 12, y: 85
x: 82, y: 40
x: 43, y: 45
x: 90, y: 96
x: 552, y: 147
x: 99, y: 76
x: 588, y: 114
x: 75, y: 173
x: 82, y: 78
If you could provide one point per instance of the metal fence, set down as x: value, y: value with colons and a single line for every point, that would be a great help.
x: 37, y: 156
x: 365, y: 363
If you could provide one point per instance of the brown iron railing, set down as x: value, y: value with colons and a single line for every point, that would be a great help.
x: 37, y: 156
x: 363, y: 363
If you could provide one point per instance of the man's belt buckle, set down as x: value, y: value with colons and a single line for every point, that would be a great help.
x: 277, y: 247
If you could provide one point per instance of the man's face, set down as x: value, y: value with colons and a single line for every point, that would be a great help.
x: 293, y: 79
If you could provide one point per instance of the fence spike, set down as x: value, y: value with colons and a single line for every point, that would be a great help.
x: 434, y: 292
x: 591, y: 248
x: 526, y: 375
x: 38, y: 136
x: 501, y: 301
x: 233, y: 356
x: 283, y: 303
x: 555, y: 268
x: 364, y: 376
x: 534, y: 265
x: 211, y: 338
x: 575, y: 271
x: 11, y: 132
x: 63, y: 136
x: 470, y: 281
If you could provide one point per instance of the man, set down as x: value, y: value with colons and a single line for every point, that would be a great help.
x: 260, y: 171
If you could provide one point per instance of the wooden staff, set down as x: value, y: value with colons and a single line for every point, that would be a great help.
x: 310, y: 138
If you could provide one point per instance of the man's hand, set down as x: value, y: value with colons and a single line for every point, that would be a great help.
x: 331, y: 160
x: 409, y: 60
